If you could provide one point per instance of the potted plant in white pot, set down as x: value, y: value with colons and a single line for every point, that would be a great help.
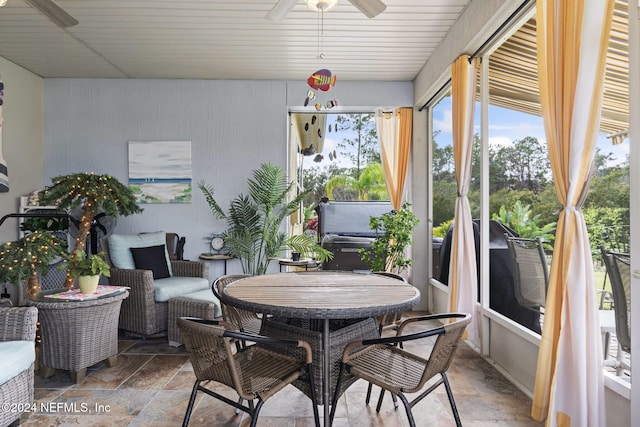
x: 92, y: 193
x: 88, y: 269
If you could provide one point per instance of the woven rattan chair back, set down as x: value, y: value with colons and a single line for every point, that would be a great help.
x: 243, y: 320
x: 530, y: 272
x: 255, y: 372
x: 619, y: 272
x: 400, y: 371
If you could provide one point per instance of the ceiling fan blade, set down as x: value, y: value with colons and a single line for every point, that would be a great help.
x: 371, y: 8
x: 54, y: 12
x: 281, y: 9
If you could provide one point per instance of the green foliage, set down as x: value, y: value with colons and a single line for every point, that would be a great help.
x: 365, y: 142
x: 388, y: 250
x: 520, y: 220
x: 44, y: 224
x: 21, y: 259
x: 369, y: 186
x: 98, y: 191
x: 441, y: 230
x: 254, y: 220
x: 81, y: 265
x: 599, y: 219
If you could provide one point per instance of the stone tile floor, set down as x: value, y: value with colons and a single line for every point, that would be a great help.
x: 151, y: 384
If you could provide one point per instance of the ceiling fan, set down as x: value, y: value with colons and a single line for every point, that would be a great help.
x: 54, y: 12
x: 371, y: 8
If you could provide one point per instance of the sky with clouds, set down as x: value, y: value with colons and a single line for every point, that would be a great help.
x: 506, y: 126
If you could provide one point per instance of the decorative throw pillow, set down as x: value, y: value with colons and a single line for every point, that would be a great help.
x: 151, y: 258
x: 119, y: 245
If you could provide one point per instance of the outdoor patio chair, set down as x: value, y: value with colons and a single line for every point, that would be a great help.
x: 243, y: 320
x: 146, y: 311
x: 530, y: 273
x: 619, y: 272
x: 255, y: 372
x: 391, y: 320
x: 380, y: 361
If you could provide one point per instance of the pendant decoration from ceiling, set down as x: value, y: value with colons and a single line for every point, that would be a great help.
x: 370, y: 8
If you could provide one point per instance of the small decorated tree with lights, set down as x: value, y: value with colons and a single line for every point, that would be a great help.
x: 92, y: 193
x: 29, y: 257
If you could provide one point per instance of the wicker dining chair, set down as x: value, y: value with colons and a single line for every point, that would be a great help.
x: 391, y: 320
x: 243, y: 320
x: 380, y: 361
x: 255, y: 372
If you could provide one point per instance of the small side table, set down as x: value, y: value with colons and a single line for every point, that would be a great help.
x: 78, y: 334
x: 303, y: 263
x: 216, y: 257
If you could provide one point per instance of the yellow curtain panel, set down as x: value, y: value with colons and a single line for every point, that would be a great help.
x: 463, y: 279
x: 572, y: 42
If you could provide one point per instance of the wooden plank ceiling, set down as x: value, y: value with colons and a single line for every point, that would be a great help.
x: 225, y: 39
x: 231, y: 39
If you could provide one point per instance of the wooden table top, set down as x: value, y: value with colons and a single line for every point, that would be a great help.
x: 321, y: 294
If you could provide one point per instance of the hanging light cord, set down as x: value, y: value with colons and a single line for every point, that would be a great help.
x: 320, y: 33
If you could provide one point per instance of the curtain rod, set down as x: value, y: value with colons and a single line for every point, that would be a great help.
x: 519, y: 12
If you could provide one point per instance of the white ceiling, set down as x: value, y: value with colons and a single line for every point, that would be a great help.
x: 224, y: 39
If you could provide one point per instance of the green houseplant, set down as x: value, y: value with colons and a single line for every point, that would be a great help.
x: 92, y: 193
x: 395, y: 230
x: 88, y: 269
x: 254, y: 221
x: 29, y: 257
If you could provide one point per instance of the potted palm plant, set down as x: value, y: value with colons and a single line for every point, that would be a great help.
x: 92, y: 193
x: 254, y: 221
x: 88, y: 269
x: 29, y: 257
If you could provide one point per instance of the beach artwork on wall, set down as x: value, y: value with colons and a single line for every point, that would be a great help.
x: 160, y: 171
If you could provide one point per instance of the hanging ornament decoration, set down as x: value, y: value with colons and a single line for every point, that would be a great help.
x: 322, y: 79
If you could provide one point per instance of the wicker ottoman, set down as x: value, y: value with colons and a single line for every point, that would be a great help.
x: 201, y: 304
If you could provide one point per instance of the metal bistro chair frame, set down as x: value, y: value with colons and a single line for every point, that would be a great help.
x: 619, y: 272
x: 255, y: 372
x: 530, y: 272
x: 380, y: 361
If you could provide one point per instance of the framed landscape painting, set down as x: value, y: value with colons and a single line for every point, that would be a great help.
x: 160, y: 171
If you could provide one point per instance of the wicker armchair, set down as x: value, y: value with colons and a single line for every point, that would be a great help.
x: 400, y: 371
x: 17, y: 324
x: 141, y: 314
x: 243, y: 320
x: 255, y: 372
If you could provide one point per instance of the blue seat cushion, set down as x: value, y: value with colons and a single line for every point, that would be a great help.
x: 16, y: 357
x: 175, y: 286
x: 120, y: 245
x: 206, y: 296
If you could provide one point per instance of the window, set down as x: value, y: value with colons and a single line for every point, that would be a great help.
x: 338, y: 156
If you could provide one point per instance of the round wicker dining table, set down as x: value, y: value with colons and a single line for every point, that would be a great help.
x: 322, y: 295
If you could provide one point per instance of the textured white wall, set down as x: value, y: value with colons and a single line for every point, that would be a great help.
x: 21, y: 139
x: 233, y: 126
